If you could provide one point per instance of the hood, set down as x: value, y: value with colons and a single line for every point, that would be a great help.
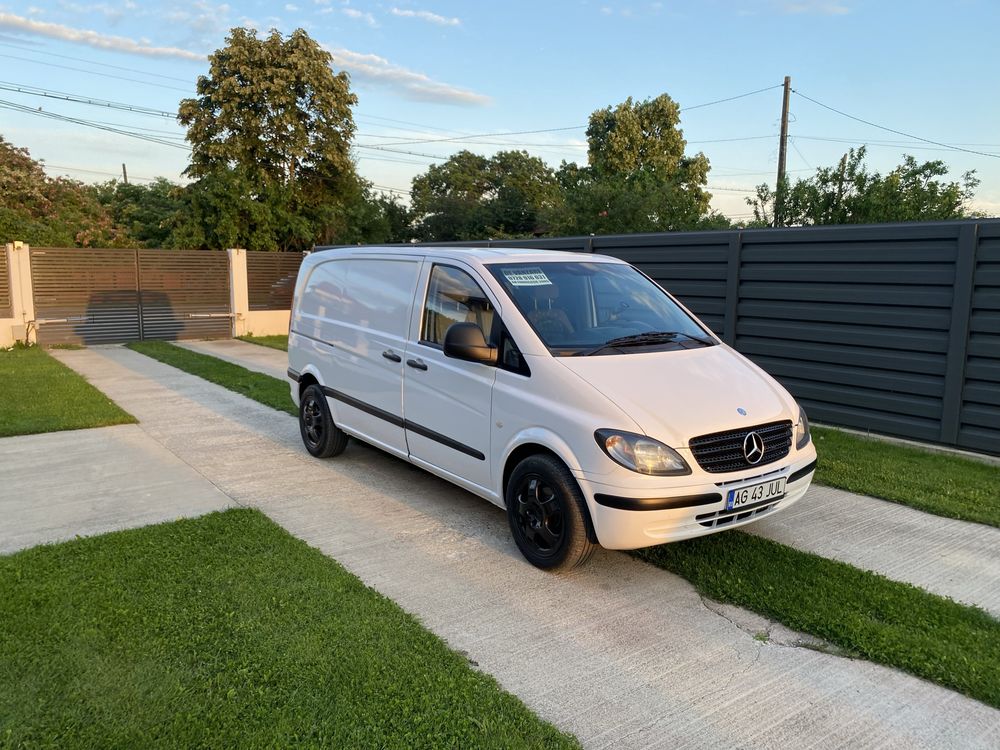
x: 676, y: 395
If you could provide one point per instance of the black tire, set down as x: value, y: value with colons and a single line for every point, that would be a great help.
x: 320, y: 435
x: 546, y: 512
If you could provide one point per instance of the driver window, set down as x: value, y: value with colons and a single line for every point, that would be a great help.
x: 453, y: 296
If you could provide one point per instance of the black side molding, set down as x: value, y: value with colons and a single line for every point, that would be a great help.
x: 365, y: 407
x: 294, y: 375
x: 404, y: 423
x: 657, y: 503
x: 801, y: 473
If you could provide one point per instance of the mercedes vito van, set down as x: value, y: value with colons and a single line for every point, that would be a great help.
x: 571, y: 390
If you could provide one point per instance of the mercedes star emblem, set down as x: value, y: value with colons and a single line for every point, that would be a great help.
x: 753, y: 448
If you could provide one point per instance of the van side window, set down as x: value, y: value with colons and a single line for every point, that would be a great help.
x: 510, y: 356
x: 453, y: 296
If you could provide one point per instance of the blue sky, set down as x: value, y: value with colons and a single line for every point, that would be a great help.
x: 433, y: 70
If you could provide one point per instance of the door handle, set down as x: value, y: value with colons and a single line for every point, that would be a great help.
x: 416, y: 364
x: 390, y: 355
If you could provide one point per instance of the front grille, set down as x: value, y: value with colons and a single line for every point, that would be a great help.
x: 722, y: 518
x: 723, y: 451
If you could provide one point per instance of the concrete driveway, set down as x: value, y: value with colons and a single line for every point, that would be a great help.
x: 948, y: 557
x: 60, y: 485
x: 619, y: 653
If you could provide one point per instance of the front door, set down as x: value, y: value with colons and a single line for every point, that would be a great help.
x: 447, y: 402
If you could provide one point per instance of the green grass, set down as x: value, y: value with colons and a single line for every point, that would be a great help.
x: 882, y: 620
x: 40, y: 394
x: 226, y: 631
x: 941, y: 484
x: 273, y: 342
x: 263, y: 388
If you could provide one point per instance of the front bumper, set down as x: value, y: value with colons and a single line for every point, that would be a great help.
x: 629, y: 519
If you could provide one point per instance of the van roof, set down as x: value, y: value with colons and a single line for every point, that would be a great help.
x: 481, y: 254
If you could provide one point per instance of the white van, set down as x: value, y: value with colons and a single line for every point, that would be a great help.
x: 569, y: 389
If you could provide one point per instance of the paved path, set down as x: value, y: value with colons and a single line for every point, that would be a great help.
x: 952, y: 558
x: 252, y: 356
x: 619, y: 653
x: 59, y: 485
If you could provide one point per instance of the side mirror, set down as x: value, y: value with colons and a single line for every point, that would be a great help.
x: 467, y: 341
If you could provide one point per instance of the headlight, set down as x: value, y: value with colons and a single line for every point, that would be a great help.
x: 802, y: 430
x: 641, y: 454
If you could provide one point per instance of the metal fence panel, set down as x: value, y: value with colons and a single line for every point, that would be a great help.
x: 979, y: 421
x: 185, y: 294
x: 6, y: 309
x: 84, y: 296
x: 271, y: 279
x: 858, y: 332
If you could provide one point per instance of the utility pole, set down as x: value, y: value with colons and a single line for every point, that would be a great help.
x: 782, y: 149
x: 125, y: 173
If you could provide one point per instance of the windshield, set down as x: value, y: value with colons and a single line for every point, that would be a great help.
x: 597, y: 308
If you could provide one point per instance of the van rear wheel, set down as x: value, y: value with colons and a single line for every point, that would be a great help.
x: 545, y: 510
x: 320, y: 435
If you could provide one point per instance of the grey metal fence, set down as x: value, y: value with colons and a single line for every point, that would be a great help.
x: 891, y: 328
x: 271, y: 279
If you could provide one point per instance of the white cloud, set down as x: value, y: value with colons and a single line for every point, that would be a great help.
x: 363, y: 67
x: 357, y: 15
x: 291, y: 8
x: 412, y: 85
x: 426, y: 15
x: 11, y: 22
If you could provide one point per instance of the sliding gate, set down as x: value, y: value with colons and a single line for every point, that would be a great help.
x: 85, y: 296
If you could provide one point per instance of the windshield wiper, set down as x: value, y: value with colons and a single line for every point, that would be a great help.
x: 646, y: 338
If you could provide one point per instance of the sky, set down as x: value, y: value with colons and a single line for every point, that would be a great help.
x: 434, y: 76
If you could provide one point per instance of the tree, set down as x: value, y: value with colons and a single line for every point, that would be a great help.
x: 43, y: 210
x: 849, y: 193
x: 274, y: 120
x: 146, y: 212
x: 638, y: 178
x: 472, y: 197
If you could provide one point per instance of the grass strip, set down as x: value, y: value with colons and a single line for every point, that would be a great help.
x: 949, y: 486
x: 226, y: 630
x: 272, y: 342
x: 40, y: 394
x: 884, y: 621
x: 263, y: 388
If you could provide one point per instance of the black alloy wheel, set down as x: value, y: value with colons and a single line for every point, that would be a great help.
x: 320, y: 435
x: 545, y: 510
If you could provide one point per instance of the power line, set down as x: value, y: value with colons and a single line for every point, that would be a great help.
x: 96, y: 73
x: 75, y: 98
x: 732, y: 98
x: 92, y: 62
x: 87, y: 123
x: 893, y: 130
x: 46, y: 165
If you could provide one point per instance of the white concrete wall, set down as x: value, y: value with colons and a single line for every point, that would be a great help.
x: 267, y: 322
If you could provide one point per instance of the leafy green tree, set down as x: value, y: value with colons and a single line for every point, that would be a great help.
x: 272, y: 119
x: 146, y: 212
x: 47, y: 211
x: 638, y: 178
x: 472, y: 197
x: 849, y: 193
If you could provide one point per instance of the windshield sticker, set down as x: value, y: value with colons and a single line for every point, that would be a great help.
x: 526, y: 276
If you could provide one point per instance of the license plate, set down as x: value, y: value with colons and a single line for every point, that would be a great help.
x: 755, y: 493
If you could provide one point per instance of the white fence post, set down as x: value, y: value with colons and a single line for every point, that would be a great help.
x: 239, y: 296
x: 21, y: 325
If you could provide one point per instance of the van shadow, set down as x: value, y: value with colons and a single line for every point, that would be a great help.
x: 114, y: 316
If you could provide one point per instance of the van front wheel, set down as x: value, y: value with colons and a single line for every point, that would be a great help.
x: 320, y: 435
x: 545, y: 510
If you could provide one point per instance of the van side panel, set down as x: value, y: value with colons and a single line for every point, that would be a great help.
x: 355, y: 312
